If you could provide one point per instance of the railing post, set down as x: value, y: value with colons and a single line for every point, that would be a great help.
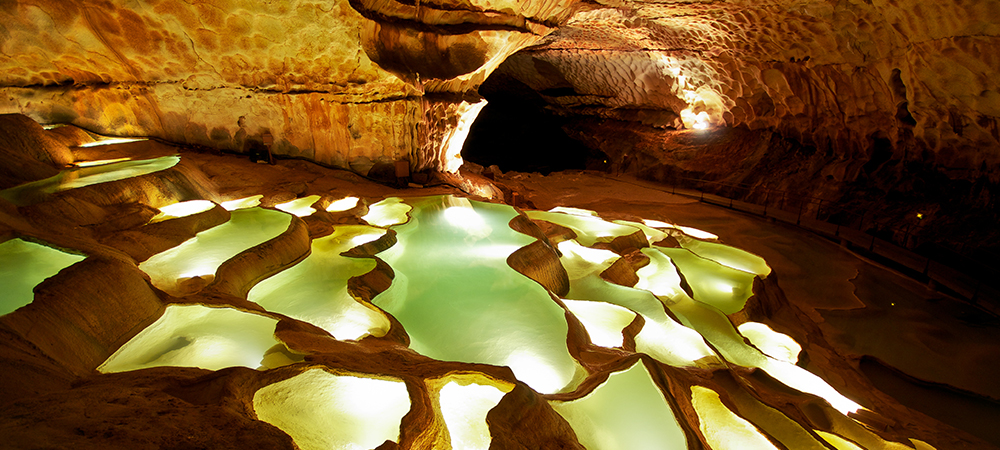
x: 802, y: 204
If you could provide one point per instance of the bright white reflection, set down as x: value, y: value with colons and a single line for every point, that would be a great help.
x: 110, y: 141
x: 388, y: 212
x: 300, y: 207
x: 774, y: 344
x: 464, y: 406
x: 343, y: 204
x: 628, y: 411
x: 99, y: 162
x: 537, y: 371
x: 652, y: 234
x: 77, y: 177
x: 315, y: 289
x: 252, y: 201
x: 604, y: 322
x: 182, y: 209
x: 201, y: 255
x: 589, y: 229
x: 197, y: 336
x: 696, y: 233
x: 461, y: 214
x: 23, y: 265
x: 661, y: 337
x: 715, y: 327
x: 693, y: 232
x: 581, y: 261
x: 721, y: 427
x: 574, y: 211
x: 323, y: 411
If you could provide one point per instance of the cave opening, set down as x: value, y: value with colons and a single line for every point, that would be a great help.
x: 516, y: 132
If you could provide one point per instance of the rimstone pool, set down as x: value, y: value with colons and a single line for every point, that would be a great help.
x: 466, y: 311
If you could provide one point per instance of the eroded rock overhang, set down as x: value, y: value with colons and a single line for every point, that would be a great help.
x: 349, y: 84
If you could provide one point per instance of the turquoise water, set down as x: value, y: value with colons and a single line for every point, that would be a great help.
x: 23, y: 265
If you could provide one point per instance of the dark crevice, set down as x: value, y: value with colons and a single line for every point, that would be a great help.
x: 515, y: 132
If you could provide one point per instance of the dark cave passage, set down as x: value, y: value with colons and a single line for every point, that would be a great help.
x: 515, y: 132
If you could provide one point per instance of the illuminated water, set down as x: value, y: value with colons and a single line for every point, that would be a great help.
x: 628, y: 411
x: 323, y: 411
x: 197, y: 336
x: 23, y: 265
x: 315, y: 290
x: 459, y: 300
x: 36, y: 191
x: 202, y: 255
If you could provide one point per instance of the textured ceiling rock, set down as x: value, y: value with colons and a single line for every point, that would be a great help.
x: 337, y: 82
x: 907, y: 86
x: 823, y: 73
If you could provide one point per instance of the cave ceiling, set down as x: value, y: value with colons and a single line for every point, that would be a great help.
x: 353, y: 83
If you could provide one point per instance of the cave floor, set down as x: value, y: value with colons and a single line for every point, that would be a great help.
x: 930, y: 351
x: 894, y: 329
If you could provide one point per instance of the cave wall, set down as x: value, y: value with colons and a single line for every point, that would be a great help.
x: 339, y: 82
x: 887, y: 106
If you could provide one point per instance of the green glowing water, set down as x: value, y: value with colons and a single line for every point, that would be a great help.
x: 35, y: 191
x: 459, y: 300
x: 626, y: 412
x: 197, y: 336
x: 315, y: 290
x: 202, y: 255
x: 23, y: 265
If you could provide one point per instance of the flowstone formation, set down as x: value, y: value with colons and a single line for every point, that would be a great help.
x: 305, y: 307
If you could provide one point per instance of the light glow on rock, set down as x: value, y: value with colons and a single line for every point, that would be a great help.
x: 182, y: 209
x: 323, y: 411
x: 23, y: 265
x: 197, y: 336
x: 300, y: 207
x: 99, y: 162
x: 343, y: 204
x: 721, y: 427
x: 110, y: 141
